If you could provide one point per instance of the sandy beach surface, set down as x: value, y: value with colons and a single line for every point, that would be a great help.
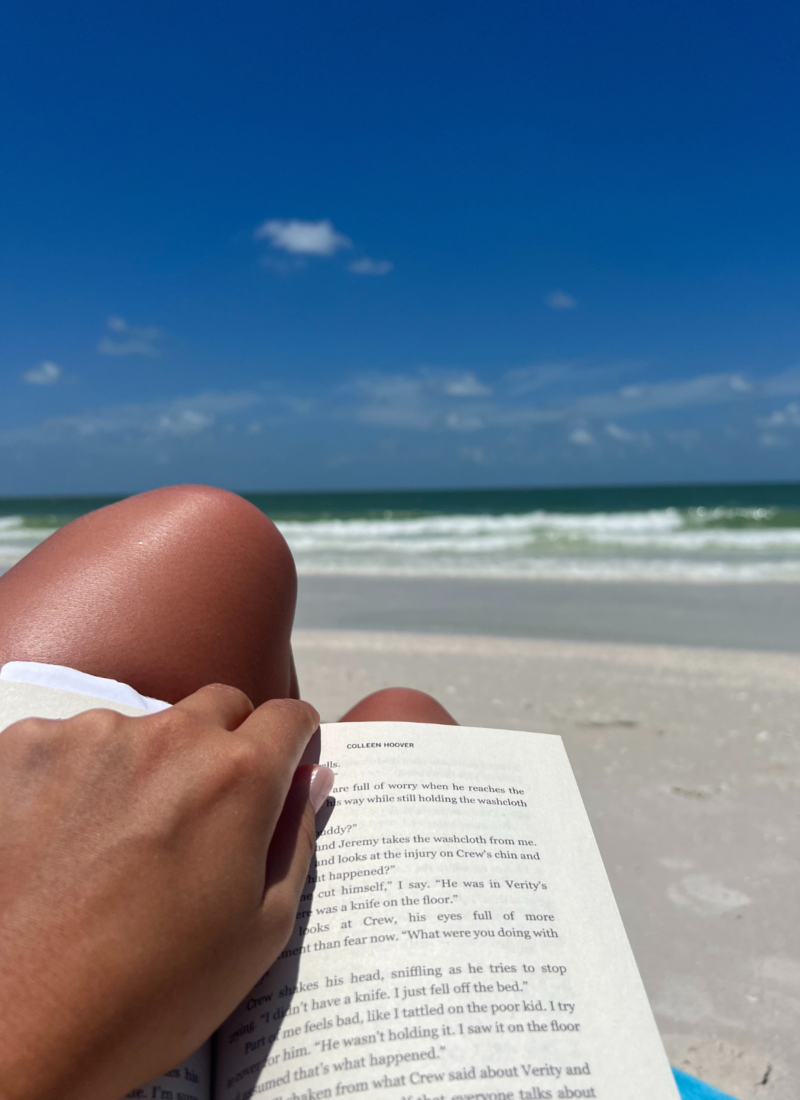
x: 688, y: 760
x: 739, y: 616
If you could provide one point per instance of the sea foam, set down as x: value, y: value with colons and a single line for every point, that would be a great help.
x: 668, y: 544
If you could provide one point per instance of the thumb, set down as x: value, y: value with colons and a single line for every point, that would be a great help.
x: 293, y: 842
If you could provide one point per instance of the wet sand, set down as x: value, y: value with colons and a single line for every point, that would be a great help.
x: 688, y: 760
x: 738, y: 616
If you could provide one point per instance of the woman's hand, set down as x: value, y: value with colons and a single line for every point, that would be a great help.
x: 150, y: 870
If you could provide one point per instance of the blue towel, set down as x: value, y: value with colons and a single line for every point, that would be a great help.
x: 692, y: 1089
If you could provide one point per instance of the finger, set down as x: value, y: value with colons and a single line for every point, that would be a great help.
x: 284, y: 727
x: 293, y: 842
x: 312, y: 751
x: 217, y: 704
x: 277, y: 732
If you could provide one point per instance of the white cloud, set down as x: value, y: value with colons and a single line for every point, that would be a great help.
x: 581, y: 438
x: 427, y: 399
x: 786, y: 382
x: 433, y: 400
x: 703, y: 389
x: 366, y: 266
x: 177, y: 419
x: 559, y: 299
x: 395, y: 400
x: 130, y: 339
x: 526, y: 379
x: 640, y: 439
x: 770, y: 439
x: 181, y: 424
x: 46, y: 374
x: 303, y: 238
x: 466, y: 386
x: 620, y: 434
x: 788, y: 416
x: 446, y: 402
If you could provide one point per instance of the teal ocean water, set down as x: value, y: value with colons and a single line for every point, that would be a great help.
x: 738, y: 533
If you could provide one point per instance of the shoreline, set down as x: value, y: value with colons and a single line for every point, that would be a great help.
x: 760, y: 616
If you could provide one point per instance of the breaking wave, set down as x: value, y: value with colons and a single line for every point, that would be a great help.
x: 665, y: 544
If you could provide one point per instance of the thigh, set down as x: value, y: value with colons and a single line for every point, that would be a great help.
x: 166, y: 591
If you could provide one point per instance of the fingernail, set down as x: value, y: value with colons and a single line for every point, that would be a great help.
x: 320, y: 786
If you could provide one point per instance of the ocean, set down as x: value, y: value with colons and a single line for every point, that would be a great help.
x: 745, y: 533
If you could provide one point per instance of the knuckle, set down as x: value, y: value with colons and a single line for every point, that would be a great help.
x: 29, y: 740
x: 92, y: 728
x: 169, y: 724
x: 234, y: 693
x: 241, y: 759
x: 292, y: 711
x: 97, y: 723
x: 176, y: 728
x: 29, y: 729
x: 98, y: 720
x: 281, y: 706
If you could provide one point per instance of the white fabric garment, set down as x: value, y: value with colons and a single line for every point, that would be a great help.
x: 62, y: 678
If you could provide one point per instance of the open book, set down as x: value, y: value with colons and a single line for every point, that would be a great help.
x: 457, y: 940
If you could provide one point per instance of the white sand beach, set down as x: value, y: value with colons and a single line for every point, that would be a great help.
x: 688, y: 760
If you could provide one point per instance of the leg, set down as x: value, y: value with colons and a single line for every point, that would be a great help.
x: 399, y: 705
x: 167, y: 591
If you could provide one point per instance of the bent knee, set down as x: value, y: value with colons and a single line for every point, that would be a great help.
x: 214, y: 515
x: 204, y: 504
x: 401, y: 696
x: 400, y: 704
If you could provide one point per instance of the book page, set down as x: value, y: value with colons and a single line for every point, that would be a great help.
x: 457, y: 940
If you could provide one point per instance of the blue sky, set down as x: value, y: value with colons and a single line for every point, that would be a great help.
x: 353, y: 245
